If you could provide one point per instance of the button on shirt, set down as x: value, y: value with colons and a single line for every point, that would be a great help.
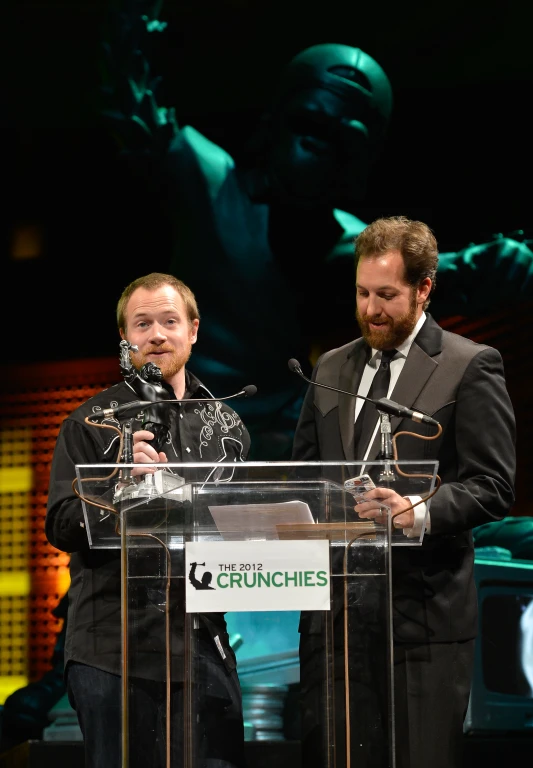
x: 396, y: 366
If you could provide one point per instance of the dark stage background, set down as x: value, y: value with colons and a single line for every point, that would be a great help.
x: 458, y: 153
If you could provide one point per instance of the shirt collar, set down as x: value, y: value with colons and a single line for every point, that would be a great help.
x: 194, y: 387
x: 403, y: 348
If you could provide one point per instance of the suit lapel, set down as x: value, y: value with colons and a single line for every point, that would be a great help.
x: 418, y: 367
x: 349, y: 379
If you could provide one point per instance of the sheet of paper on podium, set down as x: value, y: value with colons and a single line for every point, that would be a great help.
x: 259, y: 521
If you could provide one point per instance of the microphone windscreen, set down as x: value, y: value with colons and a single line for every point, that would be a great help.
x: 294, y: 365
x: 249, y: 390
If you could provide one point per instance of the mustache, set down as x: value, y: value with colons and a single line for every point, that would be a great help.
x: 373, y: 319
x: 155, y: 350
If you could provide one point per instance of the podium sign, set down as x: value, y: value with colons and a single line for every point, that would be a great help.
x: 257, y: 576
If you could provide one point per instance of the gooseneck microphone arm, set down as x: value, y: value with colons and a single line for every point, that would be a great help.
x: 383, y: 404
x: 388, y: 407
x: 295, y: 367
x: 125, y: 435
x: 384, y: 418
x: 110, y: 413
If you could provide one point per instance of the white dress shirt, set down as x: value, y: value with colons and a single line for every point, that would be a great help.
x: 396, y: 366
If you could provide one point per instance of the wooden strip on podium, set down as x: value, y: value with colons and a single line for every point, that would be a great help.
x: 345, y: 531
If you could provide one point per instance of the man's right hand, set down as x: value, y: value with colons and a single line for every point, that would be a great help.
x: 145, y: 453
x: 129, y: 106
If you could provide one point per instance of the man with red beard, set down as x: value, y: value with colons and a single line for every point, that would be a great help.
x: 157, y: 314
x: 462, y: 385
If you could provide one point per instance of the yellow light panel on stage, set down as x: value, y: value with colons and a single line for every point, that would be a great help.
x: 35, y: 399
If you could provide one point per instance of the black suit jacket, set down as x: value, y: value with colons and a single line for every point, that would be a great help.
x: 462, y: 384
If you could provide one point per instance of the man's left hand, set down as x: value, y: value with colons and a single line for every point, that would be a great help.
x: 371, y: 507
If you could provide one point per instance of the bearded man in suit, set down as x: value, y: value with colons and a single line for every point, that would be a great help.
x: 462, y: 385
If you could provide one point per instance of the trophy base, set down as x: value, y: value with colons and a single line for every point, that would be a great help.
x: 149, y: 500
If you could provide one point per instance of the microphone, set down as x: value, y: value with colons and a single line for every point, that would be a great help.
x: 109, y: 413
x: 294, y: 367
x: 383, y: 404
x: 395, y: 409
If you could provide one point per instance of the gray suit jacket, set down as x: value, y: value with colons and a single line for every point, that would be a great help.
x: 462, y: 384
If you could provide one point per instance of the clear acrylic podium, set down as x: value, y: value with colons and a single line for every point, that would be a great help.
x: 204, y: 543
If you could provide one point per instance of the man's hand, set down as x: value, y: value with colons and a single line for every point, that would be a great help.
x: 371, y: 507
x: 129, y: 106
x: 145, y: 453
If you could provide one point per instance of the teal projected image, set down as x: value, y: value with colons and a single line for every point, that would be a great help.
x: 264, y: 634
x: 266, y: 238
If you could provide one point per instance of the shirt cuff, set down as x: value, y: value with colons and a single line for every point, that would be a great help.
x: 420, y: 514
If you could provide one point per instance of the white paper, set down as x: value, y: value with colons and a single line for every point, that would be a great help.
x: 258, y: 521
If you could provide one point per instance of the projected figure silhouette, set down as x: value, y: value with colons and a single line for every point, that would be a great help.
x: 267, y: 241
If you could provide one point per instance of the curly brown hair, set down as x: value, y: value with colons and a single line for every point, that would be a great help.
x: 415, y: 241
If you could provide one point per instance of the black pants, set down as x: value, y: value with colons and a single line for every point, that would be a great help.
x: 96, y: 697
x: 432, y: 687
x: 431, y: 691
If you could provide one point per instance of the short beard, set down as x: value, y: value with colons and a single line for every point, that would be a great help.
x: 396, y: 331
x: 168, y: 367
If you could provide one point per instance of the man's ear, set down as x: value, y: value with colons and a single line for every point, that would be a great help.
x: 423, y: 290
x: 194, y: 330
x: 122, y: 334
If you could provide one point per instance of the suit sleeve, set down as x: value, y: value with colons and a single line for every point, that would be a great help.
x: 305, y: 444
x: 482, y: 487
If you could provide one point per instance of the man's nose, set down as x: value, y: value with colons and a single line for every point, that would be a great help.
x: 158, y: 333
x: 373, y: 307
